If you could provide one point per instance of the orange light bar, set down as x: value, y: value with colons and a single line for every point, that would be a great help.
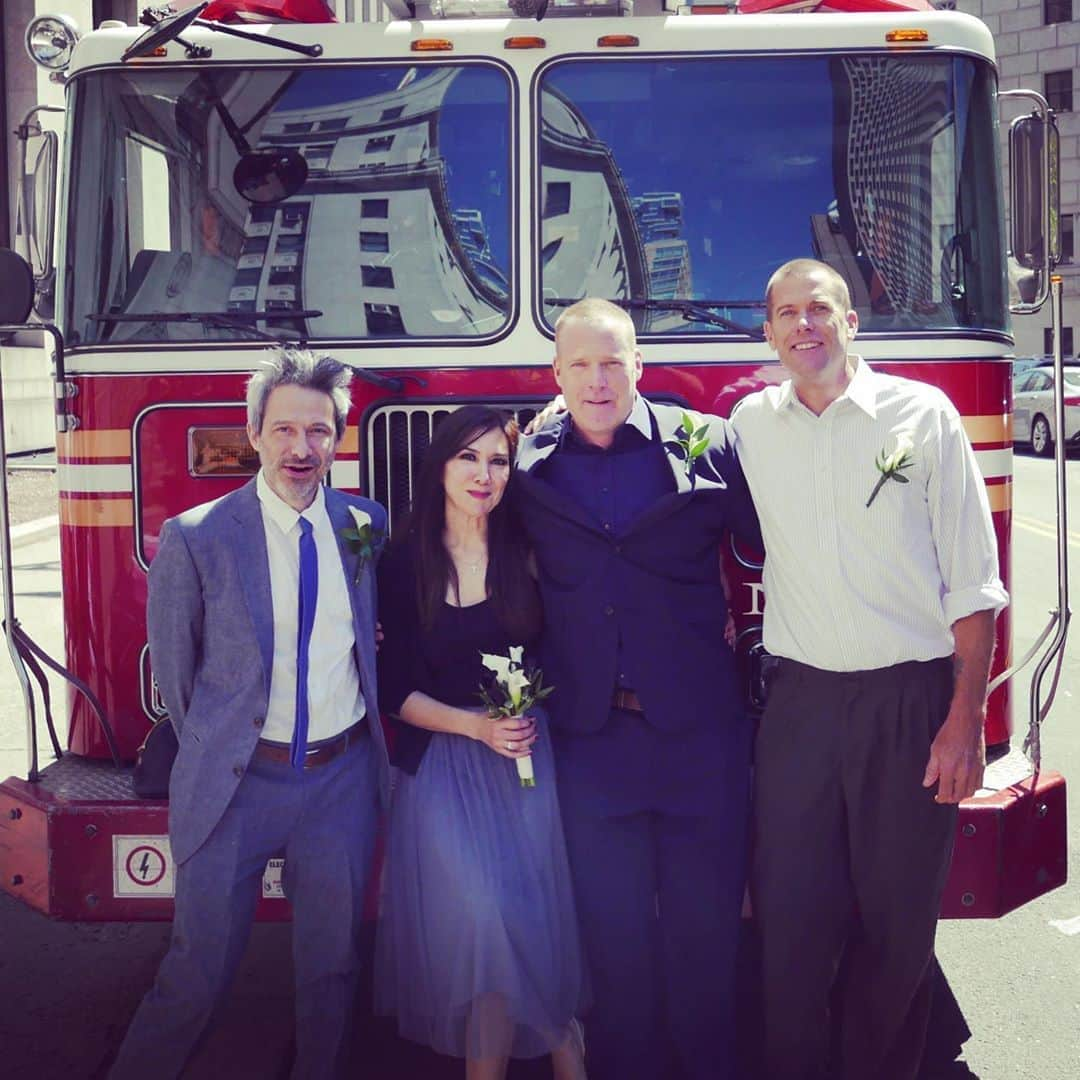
x: 617, y: 41
x: 436, y: 44
x: 524, y: 42
x: 906, y: 37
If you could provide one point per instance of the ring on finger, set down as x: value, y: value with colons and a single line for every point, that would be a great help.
x: 511, y: 746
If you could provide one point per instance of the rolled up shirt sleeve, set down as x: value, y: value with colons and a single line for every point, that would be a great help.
x: 962, y: 526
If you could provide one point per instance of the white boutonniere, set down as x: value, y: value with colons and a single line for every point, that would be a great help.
x: 518, y: 689
x: 891, y: 465
x: 364, y: 541
x: 693, y: 439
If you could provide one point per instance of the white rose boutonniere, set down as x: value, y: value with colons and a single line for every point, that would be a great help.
x: 363, y: 541
x: 891, y: 465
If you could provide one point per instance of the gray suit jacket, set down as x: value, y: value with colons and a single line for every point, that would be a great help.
x: 210, y: 623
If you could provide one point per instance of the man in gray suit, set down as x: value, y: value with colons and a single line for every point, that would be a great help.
x: 261, y: 621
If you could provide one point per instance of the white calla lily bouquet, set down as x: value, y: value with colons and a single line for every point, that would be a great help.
x: 517, y: 689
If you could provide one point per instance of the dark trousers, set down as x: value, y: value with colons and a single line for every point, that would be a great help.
x: 849, y: 862
x: 656, y: 830
x: 324, y: 822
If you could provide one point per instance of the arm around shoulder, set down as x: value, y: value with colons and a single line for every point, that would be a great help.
x: 742, y: 514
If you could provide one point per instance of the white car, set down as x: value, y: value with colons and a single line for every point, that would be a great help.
x: 1033, y: 407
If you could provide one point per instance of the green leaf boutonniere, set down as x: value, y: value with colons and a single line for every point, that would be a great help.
x: 363, y: 541
x: 693, y: 439
x: 891, y: 466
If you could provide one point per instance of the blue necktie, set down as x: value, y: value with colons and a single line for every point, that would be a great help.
x: 305, y: 622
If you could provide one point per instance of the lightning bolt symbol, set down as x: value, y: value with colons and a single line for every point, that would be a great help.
x: 144, y: 866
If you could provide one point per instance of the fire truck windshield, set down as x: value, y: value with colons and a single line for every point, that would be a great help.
x: 401, y: 230
x: 683, y: 179
x: 671, y: 184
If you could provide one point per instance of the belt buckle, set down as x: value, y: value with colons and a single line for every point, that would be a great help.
x: 314, y: 756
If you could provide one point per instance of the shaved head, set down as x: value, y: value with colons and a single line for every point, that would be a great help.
x: 596, y: 312
x: 800, y: 268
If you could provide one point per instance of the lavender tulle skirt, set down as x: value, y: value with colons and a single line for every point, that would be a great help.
x: 477, y: 953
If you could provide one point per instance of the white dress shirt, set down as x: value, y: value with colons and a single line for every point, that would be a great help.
x: 334, y: 698
x: 850, y: 587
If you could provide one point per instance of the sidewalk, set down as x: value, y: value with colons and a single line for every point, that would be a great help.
x: 33, y: 500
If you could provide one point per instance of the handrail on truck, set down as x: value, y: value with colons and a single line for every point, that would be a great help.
x: 1050, y: 285
x: 21, y: 647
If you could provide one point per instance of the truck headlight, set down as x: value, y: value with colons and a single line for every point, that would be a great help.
x: 50, y: 40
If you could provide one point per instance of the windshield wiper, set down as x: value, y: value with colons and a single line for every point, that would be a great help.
x: 691, y: 310
x: 221, y: 319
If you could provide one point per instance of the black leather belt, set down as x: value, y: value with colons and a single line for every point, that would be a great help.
x: 317, y: 754
x: 622, y: 698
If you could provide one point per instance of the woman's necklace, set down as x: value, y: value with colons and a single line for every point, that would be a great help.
x: 474, y: 566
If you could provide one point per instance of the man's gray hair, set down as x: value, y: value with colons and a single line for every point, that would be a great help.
x: 299, y: 367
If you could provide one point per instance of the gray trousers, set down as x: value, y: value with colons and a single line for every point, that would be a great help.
x: 324, y: 822
x: 850, y: 859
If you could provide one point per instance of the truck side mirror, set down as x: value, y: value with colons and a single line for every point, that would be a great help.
x: 1028, y: 182
x: 269, y: 176
x: 17, y: 295
x: 36, y: 216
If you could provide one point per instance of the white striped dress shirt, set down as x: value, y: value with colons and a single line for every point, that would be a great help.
x: 850, y: 587
x: 334, y: 698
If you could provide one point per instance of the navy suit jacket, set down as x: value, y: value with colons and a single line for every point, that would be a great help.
x: 211, y: 627
x: 656, y: 586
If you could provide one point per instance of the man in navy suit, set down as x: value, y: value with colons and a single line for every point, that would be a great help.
x: 261, y: 620
x: 652, y: 743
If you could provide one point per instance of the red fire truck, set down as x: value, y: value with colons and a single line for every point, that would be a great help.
x: 422, y: 197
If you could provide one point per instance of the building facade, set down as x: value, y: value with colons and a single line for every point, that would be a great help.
x: 1038, y: 48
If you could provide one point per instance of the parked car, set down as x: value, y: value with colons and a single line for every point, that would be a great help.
x: 1026, y: 363
x: 1033, y: 407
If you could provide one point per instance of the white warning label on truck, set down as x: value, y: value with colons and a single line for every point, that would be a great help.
x: 143, y: 866
x: 272, y: 888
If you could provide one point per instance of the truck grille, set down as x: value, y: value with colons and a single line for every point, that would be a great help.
x: 398, y: 437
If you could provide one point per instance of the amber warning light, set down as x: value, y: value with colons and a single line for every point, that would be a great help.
x: 907, y: 37
x: 431, y: 45
x: 221, y: 451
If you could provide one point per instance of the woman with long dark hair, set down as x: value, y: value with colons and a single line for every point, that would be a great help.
x: 478, y: 953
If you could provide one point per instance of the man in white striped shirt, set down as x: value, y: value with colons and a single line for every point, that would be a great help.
x: 881, y: 586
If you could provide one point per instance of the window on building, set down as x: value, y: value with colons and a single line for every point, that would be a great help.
x: 377, y: 277
x: 1067, y: 221
x: 556, y: 198
x: 336, y: 123
x: 299, y: 127
x: 374, y: 207
x: 392, y: 114
x: 1066, y: 341
x: 374, y: 241
x: 383, y: 319
x: 249, y: 276
x: 1057, y: 11
x: 318, y: 156
x: 378, y: 144
x: 1058, y: 88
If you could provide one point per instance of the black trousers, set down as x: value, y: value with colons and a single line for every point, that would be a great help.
x: 850, y: 859
x: 656, y: 831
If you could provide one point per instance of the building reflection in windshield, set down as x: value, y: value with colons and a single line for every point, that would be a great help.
x: 657, y: 193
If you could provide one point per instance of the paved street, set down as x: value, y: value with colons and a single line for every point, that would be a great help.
x: 72, y: 988
x: 1018, y: 979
